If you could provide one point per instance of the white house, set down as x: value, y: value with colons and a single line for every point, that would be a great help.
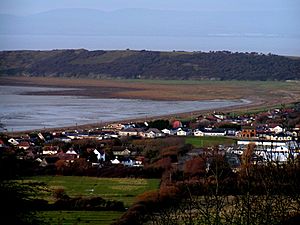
x: 71, y: 152
x: 24, y: 145
x: 210, y: 132
x: 281, y: 137
x: 125, y: 152
x: 128, y: 162
x: 276, y: 129
x: 198, y: 133
x: 65, y: 139
x: 129, y: 132
x: 72, y: 136
x: 214, y: 132
x: 166, y: 131
x: 181, y: 132
x: 266, y: 144
x: 152, y: 133
x: 13, y: 141
x: 220, y: 116
x: 137, y: 163
x: 115, y: 161
x: 49, y: 152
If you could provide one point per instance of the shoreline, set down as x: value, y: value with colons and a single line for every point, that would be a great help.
x: 180, y: 116
x: 262, y: 95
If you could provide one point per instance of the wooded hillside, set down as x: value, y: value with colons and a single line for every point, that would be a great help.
x: 130, y: 64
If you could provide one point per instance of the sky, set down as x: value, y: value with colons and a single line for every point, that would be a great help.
x: 289, y: 11
x: 23, y: 7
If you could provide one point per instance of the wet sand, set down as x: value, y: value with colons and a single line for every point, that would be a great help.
x: 261, y: 95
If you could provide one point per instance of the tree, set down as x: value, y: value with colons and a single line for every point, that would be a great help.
x: 194, y: 167
x: 80, y: 166
x: 18, y: 203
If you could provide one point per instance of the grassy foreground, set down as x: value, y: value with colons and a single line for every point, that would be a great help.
x: 79, y: 217
x: 121, y: 189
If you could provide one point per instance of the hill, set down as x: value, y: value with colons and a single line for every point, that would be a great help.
x: 128, y: 64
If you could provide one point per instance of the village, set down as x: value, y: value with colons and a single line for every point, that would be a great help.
x: 274, y: 133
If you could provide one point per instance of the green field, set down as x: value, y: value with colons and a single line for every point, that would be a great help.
x: 121, y: 189
x: 79, y: 217
x: 202, y: 142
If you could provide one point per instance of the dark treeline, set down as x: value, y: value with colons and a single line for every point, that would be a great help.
x: 255, y: 194
x: 129, y: 64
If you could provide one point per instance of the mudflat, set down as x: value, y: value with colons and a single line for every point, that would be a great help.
x: 265, y: 92
x: 261, y: 94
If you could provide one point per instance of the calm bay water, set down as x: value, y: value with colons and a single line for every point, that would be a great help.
x: 262, y: 44
x: 28, y: 112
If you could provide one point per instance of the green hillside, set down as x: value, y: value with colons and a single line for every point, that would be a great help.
x: 129, y: 64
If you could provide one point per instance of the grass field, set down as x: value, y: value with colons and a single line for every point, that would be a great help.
x: 121, y: 189
x: 79, y: 217
x: 201, y: 142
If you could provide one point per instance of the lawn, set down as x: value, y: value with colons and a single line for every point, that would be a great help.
x: 121, y: 189
x: 79, y: 217
x: 200, y: 142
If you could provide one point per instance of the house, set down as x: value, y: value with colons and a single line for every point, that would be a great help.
x: 152, y: 133
x: 215, y: 132
x: 13, y: 141
x: 219, y: 117
x: 138, y: 163
x: 50, y: 150
x: 72, y: 153
x: 24, y: 145
x: 248, y: 132
x: 100, y: 155
x: 198, y: 133
x: 183, y: 132
x: 210, y: 132
x: 83, y: 135
x: 49, y: 161
x: 72, y: 136
x: 65, y: 139
x: 132, y: 162
x: 130, y: 132
x: 109, y: 135
x: 115, y: 161
x: 125, y: 152
x: 41, y: 137
x: 281, y: 137
x: 68, y: 158
x: 127, y: 162
x: 295, y: 133
x: 176, y: 124
x: 166, y: 131
x: 231, y: 132
x: 115, y: 126
x: 276, y: 129
x: 261, y: 143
